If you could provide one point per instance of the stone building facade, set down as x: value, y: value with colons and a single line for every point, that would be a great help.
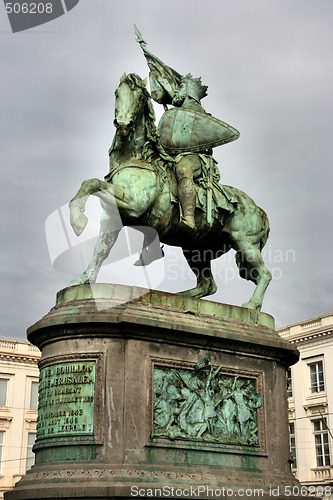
x: 310, y: 402
x: 18, y: 409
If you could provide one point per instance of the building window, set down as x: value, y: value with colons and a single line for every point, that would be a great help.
x: 2, y: 435
x: 30, y: 455
x: 33, y: 395
x: 3, y: 391
x: 321, y: 443
x: 292, y: 444
x: 317, y: 376
x: 289, y: 384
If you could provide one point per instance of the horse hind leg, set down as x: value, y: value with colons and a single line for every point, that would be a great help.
x: 201, y: 266
x: 151, y: 248
x: 251, y: 267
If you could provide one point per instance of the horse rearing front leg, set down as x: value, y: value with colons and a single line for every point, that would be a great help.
x: 77, y: 205
x: 107, y: 238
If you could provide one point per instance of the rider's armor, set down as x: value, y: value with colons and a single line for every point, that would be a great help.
x: 186, y: 128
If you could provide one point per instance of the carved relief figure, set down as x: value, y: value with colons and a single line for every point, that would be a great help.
x: 205, y: 405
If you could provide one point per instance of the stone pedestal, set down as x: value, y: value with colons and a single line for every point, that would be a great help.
x: 158, y: 396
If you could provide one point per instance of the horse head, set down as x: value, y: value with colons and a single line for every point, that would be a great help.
x: 131, y: 104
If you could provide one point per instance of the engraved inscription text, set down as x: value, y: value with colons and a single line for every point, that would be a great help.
x: 66, y: 399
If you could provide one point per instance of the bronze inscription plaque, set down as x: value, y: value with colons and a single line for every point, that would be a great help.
x: 66, y: 399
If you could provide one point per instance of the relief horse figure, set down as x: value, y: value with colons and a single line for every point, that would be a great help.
x: 142, y: 185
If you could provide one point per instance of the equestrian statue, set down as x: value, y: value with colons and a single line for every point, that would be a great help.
x: 165, y: 179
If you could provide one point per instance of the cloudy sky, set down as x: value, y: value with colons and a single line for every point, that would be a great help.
x: 268, y: 65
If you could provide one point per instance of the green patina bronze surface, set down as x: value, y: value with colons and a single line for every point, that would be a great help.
x: 184, y: 130
x: 178, y: 196
x: 66, y: 399
x: 205, y: 405
x: 121, y: 294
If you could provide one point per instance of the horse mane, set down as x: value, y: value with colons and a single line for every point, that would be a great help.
x: 153, y: 151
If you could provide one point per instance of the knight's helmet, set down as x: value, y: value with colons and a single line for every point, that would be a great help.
x: 163, y: 80
x: 195, y: 88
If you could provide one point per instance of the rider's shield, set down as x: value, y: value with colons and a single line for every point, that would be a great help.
x: 183, y: 130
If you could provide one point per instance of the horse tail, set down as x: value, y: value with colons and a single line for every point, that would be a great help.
x: 265, y: 228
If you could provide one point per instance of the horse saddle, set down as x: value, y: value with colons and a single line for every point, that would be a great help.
x: 183, y: 130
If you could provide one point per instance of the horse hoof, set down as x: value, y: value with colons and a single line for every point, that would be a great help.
x: 186, y: 293
x: 148, y: 257
x: 74, y: 283
x: 82, y: 280
x: 199, y: 292
x: 250, y: 305
x: 78, y: 222
x: 188, y: 226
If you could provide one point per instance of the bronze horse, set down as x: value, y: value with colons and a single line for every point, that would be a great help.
x: 142, y: 185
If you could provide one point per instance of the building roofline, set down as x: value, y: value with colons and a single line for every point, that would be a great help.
x: 308, y: 330
x: 310, y: 320
x: 18, y: 350
x: 310, y: 336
